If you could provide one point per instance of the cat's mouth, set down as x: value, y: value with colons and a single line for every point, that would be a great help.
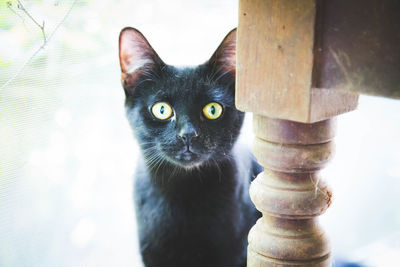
x: 187, y: 156
x: 184, y: 156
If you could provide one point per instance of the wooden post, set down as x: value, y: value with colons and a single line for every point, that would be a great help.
x: 300, y: 63
x: 290, y: 193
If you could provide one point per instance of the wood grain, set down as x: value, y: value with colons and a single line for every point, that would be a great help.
x: 299, y: 64
x: 290, y: 193
x: 279, y: 131
x: 275, y: 61
x: 358, y: 46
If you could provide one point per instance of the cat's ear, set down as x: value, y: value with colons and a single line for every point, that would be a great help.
x: 136, y: 56
x: 223, y: 61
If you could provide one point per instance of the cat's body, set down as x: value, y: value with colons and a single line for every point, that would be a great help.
x: 192, y: 180
x: 196, y: 218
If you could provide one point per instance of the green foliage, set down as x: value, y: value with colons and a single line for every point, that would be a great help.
x: 4, y: 62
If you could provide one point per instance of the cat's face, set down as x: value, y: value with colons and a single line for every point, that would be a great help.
x: 184, y: 116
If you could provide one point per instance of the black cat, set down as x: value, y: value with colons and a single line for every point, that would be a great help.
x: 192, y: 180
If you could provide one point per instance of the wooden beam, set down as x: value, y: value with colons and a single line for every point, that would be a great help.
x: 275, y: 61
x: 358, y: 46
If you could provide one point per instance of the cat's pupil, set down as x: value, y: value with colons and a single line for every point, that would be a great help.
x: 162, y: 110
x: 212, y: 110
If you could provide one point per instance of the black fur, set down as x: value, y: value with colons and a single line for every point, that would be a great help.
x: 193, y: 208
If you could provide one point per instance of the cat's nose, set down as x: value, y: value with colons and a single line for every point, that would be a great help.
x: 187, y: 133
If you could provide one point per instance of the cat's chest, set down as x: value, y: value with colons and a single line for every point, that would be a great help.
x: 183, y: 211
x: 199, y: 223
x: 193, y: 226
x: 181, y: 206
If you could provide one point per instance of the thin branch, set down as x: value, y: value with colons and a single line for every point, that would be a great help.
x: 21, y: 6
x: 21, y: 68
x: 41, y: 47
x: 43, y: 33
x: 62, y: 21
x: 10, y: 6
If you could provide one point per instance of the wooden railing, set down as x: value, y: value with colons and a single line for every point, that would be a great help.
x: 300, y: 63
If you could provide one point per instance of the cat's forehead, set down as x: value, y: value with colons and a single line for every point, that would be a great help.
x: 187, y: 86
x: 186, y: 82
x: 185, y: 76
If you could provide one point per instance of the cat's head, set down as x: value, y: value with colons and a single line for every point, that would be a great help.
x: 184, y: 116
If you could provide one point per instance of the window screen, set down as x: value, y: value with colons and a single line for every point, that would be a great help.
x: 67, y: 154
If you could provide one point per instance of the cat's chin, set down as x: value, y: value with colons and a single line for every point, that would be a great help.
x: 190, y: 166
x: 187, y: 160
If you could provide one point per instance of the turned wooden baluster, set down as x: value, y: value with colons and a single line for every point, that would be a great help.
x: 290, y: 193
x: 299, y: 64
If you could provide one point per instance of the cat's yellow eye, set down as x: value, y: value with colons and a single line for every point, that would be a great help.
x: 161, y: 111
x: 212, y: 111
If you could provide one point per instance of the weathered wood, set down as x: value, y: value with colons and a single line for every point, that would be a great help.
x: 306, y: 61
x: 294, y: 133
x: 290, y: 194
x: 358, y: 46
x: 275, y: 61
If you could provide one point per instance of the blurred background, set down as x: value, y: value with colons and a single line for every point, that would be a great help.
x: 67, y: 153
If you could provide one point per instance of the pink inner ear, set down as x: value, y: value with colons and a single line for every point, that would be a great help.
x: 226, y: 53
x: 134, y: 51
x: 229, y: 58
